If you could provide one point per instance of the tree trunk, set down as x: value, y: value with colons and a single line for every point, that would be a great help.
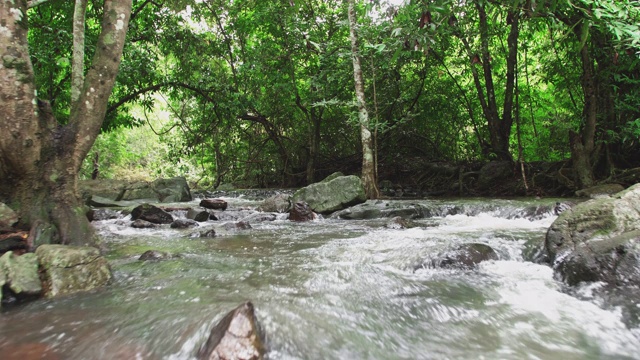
x: 39, y: 159
x: 314, y: 146
x: 499, y: 127
x: 368, y: 163
x: 77, y: 65
x: 583, y: 144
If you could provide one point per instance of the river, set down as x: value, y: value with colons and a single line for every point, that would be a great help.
x: 334, y: 289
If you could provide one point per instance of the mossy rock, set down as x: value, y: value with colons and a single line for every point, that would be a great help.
x: 329, y: 196
x: 71, y: 269
x: 598, y: 240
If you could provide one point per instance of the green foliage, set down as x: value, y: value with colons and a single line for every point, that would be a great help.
x: 246, y: 88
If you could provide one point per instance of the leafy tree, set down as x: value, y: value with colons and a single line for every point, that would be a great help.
x: 40, y: 158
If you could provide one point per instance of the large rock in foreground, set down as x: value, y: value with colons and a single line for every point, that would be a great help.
x: 329, y: 196
x: 71, y: 269
x: 236, y: 336
x: 598, y: 240
x: 20, y: 273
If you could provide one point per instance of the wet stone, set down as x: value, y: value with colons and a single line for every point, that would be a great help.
x: 198, y: 215
x: 151, y: 214
x: 236, y: 336
x: 183, y: 223
x: 143, y: 224
x: 215, y: 204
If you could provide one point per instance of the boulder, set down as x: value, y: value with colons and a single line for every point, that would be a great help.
x: 20, y: 273
x: 71, y: 269
x: 329, y: 196
x: 614, y: 261
x: 215, y: 204
x: 376, y: 209
x: 105, y: 192
x: 236, y: 336
x: 183, y: 223
x: 172, y: 190
x: 198, y: 215
x: 279, y: 203
x: 300, y: 211
x: 466, y: 256
x: 603, y: 190
x: 8, y: 217
x: 152, y: 214
x: 597, y: 240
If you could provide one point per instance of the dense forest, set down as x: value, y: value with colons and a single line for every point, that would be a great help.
x: 260, y: 93
x: 282, y: 93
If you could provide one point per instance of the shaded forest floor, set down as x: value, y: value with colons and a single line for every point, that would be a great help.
x: 418, y: 178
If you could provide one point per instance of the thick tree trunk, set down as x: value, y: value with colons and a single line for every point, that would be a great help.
x: 368, y: 162
x: 39, y: 159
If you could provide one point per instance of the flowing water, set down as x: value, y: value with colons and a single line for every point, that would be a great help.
x: 334, y: 289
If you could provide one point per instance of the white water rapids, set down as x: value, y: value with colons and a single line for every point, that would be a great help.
x: 333, y: 289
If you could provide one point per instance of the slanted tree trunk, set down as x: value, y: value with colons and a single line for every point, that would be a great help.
x: 40, y: 159
x: 368, y: 162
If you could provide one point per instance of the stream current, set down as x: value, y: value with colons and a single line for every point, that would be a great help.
x: 333, y: 289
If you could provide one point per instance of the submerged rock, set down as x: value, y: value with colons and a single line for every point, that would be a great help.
x: 154, y: 255
x: 233, y: 226
x: 598, y: 240
x: 151, y: 214
x: 183, y: 223
x: 237, y: 336
x: 399, y: 222
x: 260, y: 217
x: 207, y: 233
x: 143, y: 224
x: 466, y: 256
x: 71, y: 269
x: 329, y: 196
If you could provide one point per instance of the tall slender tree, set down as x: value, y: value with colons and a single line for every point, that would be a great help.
x: 368, y: 162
